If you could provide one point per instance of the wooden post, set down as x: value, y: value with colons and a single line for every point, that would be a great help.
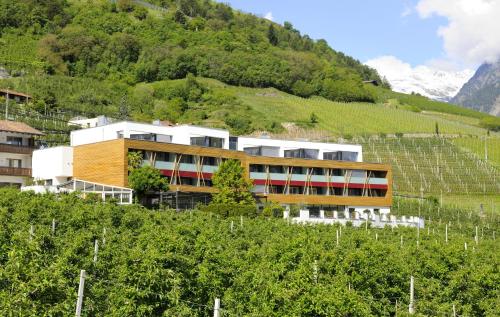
x: 217, y: 307
x: 103, y: 236
x: 337, y: 237
x: 411, y: 309
x: 32, y: 232
x: 465, y: 246
x: 53, y: 226
x: 315, y: 272
x: 376, y: 236
x: 476, y: 238
x: 96, y: 249
x: 241, y: 221
x: 232, y: 225
x: 79, y: 301
x: 401, y: 240
x: 446, y: 234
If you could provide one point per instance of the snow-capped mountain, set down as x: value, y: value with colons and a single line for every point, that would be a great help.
x: 433, y: 83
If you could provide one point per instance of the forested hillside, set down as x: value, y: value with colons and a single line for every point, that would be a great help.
x: 152, y: 263
x: 130, y: 42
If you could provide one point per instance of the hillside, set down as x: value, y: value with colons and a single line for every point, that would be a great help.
x: 129, y: 42
x: 152, y: 263
x: 482, y: 91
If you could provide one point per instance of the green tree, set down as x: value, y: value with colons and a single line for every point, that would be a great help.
x: 146, y: 179
x: 233, y: 187
x: 272, y: 36
x: 134, y: 160
x: 313, y: 118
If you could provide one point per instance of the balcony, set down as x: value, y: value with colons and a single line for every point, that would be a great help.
x: 17, y: 149
x: 15, y: 171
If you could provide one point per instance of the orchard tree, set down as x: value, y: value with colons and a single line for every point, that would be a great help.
x: 233, y: 187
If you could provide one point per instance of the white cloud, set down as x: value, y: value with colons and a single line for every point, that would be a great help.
x: 269, y: 16
x: 436, y: 80
x: 406, y: 11
x: 472, y: 33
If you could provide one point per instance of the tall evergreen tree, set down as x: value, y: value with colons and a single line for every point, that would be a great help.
x: 272, y: 35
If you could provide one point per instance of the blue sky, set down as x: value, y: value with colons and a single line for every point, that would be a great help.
x: 364, y: 29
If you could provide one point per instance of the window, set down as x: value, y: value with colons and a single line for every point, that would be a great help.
x: 334, y: 156
x: 263, y: 151
x: 294, y: 190
x: 13, y: 140
x: 208, y: 141
x: 233, y: 143
x: 278, y: 169
x: 15, y: 163
x: 302, y: 153
x: 144, y: 137
x: 341, y: 156
x: 349, y: 156
x: 257, y: 168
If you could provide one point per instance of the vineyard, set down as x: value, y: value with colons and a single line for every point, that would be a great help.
x: 435, y: 165
x: 152, y: 263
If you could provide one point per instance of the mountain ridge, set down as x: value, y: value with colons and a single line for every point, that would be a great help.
x: 482, y: 91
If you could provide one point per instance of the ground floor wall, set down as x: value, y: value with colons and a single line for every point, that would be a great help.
x: 16, y: 181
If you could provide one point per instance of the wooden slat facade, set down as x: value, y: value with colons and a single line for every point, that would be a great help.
x: 106, y: 162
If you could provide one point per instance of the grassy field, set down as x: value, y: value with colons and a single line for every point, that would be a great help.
x: 347, y: 118
x: 480, y: 147
x: 434, y: 165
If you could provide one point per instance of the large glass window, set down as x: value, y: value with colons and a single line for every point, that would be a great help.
x: 341, y: 156
x: 271, y: 151
x: 207, y: 141
x: 302, y: 153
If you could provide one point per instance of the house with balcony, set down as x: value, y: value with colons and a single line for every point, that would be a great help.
x: 17, y: 143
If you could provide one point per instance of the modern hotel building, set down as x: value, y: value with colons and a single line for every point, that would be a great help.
x: 318, y: 176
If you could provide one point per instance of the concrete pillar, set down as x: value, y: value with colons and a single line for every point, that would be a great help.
x: 356, y: 215
x: 393, y: 218
x: 304, y: 214
x: 286, y: 213
x: 335, y: 214
x: 346, y: 214
x: 384, y: 217
x: 321, y: 213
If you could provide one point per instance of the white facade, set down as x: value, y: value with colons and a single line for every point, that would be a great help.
x: 180, y: 134
x: 53, y: 166
x: 284, y: 145
x: 377, y: 217
x: 89, y: 123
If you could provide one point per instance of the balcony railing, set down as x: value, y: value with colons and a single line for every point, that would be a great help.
x: 18, y: 149
x: 15, y: 171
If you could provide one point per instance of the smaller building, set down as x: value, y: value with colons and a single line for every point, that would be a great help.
x: 16, y: 96
x: 17, y: 143
x: 84, y: 122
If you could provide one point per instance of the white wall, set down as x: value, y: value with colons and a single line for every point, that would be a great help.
x: 180, y: 134
x: 244, y: 142
x: 54, y: 164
